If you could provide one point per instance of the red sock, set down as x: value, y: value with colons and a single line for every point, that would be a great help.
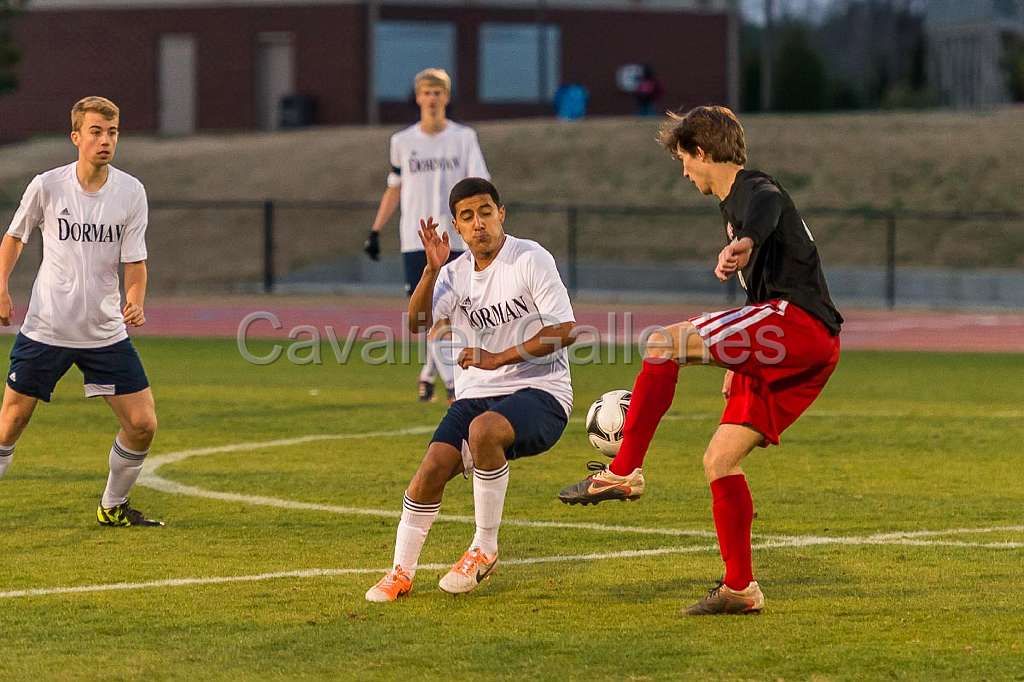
x: 733, y: 509
x: 653, y: 392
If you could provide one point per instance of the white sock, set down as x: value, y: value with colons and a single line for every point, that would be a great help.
x: 6, y: 455
x: 125, y: 467
x: 441, y: 351
x: 427, y: 373
x: 412, y: 533
x: 488, y: 502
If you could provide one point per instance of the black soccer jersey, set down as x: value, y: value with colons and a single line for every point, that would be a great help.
x: 785, y: 261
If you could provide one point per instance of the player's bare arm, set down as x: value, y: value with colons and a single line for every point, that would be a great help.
x: 548, y: 340
x: 437, y: 250
x: 135, y: 276
x: 10, y: 251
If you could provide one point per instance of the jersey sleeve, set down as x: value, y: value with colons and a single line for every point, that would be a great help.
x: 395, y: 174
x: 764, y: 209
x: 475, y: 165
x: 133, y: 244
x: 545, y: 285
x: 29, y: 215
x: 443, y: 305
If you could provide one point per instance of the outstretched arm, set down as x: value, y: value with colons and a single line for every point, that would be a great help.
x: 10, y: 252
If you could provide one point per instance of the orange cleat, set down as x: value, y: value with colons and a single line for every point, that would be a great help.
x: 395, y: 583
x: 472, y: 569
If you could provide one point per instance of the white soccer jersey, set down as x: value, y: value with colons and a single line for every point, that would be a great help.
x: 76, y: 301
x: 427, y: 167
x: 506, y: 303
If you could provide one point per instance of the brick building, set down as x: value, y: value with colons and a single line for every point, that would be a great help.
x: 189, y: 65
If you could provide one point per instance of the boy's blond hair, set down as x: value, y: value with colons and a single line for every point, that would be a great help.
x: 101, y: 105
x: 433, y: 76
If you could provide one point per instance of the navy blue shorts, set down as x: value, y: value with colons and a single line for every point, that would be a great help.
x: 536, y: 417
x: 414, y: 262
x: 111, y: 370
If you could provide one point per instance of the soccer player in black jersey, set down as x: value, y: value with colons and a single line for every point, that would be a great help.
x: 779, y: 349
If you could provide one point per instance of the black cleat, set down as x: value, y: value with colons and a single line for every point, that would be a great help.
x: 604, y: 485
x: 123, y: 515
x: 425, y: 391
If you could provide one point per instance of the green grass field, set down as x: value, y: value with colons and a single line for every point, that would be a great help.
x: 898, y: 443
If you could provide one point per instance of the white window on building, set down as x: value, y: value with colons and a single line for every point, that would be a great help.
x: 516, y: 65
x: 404, y: 48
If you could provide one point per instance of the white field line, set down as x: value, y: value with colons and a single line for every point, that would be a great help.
x: 625, y: 554
x: 150, y: 479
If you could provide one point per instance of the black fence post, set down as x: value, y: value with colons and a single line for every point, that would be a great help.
x: 890, y: 261
x: 268, y: 246
x: 571, y: 221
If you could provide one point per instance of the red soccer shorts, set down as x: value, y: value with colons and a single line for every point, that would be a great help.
x: 782, y: 357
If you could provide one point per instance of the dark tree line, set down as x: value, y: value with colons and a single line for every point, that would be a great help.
x: 863, y: 54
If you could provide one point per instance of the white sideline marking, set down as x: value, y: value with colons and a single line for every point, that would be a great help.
x: 624, y: 554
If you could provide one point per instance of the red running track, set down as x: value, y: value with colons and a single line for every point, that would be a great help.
x: 910, y: 330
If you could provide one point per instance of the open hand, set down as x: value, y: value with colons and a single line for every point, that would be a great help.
x: 436, y: 247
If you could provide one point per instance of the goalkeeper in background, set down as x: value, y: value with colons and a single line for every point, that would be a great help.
x: 427, y: 159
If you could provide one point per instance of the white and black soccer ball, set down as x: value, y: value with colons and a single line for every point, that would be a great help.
x: 605, y: 420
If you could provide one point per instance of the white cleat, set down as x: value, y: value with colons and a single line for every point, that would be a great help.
x: 468, y: 572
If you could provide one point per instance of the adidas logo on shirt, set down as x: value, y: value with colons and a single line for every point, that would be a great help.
x: 65, y: 212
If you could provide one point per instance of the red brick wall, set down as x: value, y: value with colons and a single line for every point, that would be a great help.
x: 69, y: 54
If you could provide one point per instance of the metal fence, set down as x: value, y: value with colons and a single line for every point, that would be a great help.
x: 870, y: 254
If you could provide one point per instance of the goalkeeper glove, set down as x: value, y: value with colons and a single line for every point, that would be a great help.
x: 372, y: 245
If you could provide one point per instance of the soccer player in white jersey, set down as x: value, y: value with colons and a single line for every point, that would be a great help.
x: 511, y: 321
x: 427, y: 159
x: 91, y: 217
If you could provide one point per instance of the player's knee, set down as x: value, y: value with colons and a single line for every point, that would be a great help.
x: 659, y: 345
x: 142, y: 427
x: 715, y: 464
x: 12, y: 423
x: 488, y: 430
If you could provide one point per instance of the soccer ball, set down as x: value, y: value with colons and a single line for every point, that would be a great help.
x: 605, y: 420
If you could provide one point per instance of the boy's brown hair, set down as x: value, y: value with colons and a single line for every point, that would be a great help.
x: 100, y: 105
x: 715, y: 129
